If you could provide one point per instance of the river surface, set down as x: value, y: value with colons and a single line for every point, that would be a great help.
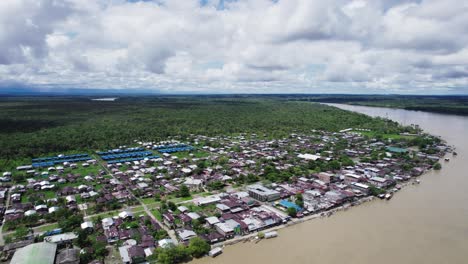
x: 426, y: 223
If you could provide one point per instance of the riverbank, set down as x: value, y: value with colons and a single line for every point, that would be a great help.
x: 328, y: 213
x: 424, y: 223
x: 293, y: 222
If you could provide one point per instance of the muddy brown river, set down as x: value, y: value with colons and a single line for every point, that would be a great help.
x: 426, y: 223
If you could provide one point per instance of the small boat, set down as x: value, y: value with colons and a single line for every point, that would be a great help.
x: 454, y: 153
x: 447, y: 159
x: 215, y: 252
x: 388, y: 196
x: 382, y: 196
x: 418, y: 181
x: 271, y: 234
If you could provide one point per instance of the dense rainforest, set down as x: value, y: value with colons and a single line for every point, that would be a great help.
x: 457, y: 105
x: 31, y: 127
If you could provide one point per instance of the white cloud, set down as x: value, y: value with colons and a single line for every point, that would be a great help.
x: 240, y: 46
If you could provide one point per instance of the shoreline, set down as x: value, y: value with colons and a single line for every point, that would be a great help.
x: 346, y: 206
x: 328, y: 213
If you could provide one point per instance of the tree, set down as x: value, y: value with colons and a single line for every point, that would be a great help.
x: 82, y: 239
x: 198, y: 247
x: 251, y: 178
x: 346, y: 161
x: 201, y: 164
x: 163, y: 207
x: 216, y: 185
x: 299, y: 200
x: 173, y: 255
x: 292, y: 211
x: 100, y: 250
x: 261, y: 235
x: 21, y: 232
x: 160, y: 234
x: 437, y: 166
x: 375, y: 191
x: 70, y: 223
x: 157, y: 197
x: 86, y: 257
x: 171, y: 205
x: 184, y: 191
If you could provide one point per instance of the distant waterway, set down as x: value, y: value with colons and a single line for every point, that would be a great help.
x: 426, y: 223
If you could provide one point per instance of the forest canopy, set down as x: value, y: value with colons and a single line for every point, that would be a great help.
x: 31, y: 127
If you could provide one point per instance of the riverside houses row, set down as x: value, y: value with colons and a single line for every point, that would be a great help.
x: 235, y: 185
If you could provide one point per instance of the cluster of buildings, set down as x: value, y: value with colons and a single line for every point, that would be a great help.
x: 239, y: 184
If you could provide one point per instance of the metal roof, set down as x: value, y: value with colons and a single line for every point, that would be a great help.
x: 38, y: 253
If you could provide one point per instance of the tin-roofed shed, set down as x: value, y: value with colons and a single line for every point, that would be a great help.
x: 38, y: 253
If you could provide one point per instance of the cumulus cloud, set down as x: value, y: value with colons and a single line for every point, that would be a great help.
x: 237, y: 46
x: 24, y: 26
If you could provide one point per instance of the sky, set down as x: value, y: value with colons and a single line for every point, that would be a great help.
x: 243, y: 46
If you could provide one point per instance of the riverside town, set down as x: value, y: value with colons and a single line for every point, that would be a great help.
x: 190, y: 197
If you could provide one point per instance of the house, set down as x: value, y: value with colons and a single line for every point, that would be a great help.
x: 30, y: 212
x: 182, y: 209
x: 165, y: 243
x: 193, y: 216
x: 186, y: 235
x: 212, y: 220
x: 88, y: 225
x: 147, y: 241
x: 224, y: 229
x: 126, y: 215
x: 193, y: 184
x: 107, y: 222
x: 16, y: 198
x: 417, y: 171
x: 42, y: 208
x: 262, y: 193
x: 308, y: 157
x: 136, y: 254
x: 124, y: 256
x: 70, y: 199
x: 237, y: 226
x: 112, y: 234
x: 168, y: 219
x: 2, y: 196
x: 60, y: 239
x: 222, y: 207
x: 207, y: 200
x: 68, y: 256
x: 380, y: 182
x: 186, y: 220
x: 326, y: 177
x: 212, y: 237
x: 351, y: 177
x: 53, y: 209
x: 335, y: 196
x: 364, y: 188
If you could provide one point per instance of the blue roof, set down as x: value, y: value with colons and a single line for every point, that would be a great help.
x: 51, y: 161
x: 130, y: 159
x: 289, y: 204
x: 396, y: 150
x: 127, y: 155
x: 118, y: 151
x: 175, y: 149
